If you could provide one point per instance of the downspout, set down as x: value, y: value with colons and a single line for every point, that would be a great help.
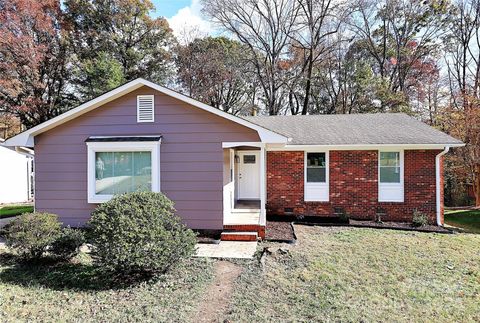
x: 437, y: 184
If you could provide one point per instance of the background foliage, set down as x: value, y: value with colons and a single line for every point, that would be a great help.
x: 274, y: 57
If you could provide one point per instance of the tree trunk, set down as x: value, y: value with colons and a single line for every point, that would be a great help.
x: 308, y: 85
x: 476, y: 185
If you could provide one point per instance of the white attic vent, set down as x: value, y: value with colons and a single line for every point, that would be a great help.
x: 145, y: 108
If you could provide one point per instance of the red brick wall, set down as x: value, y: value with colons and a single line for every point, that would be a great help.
x: 353, y: 185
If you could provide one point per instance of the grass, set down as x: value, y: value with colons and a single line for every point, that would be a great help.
x: 330, y: 274
x: 363, y: 275
x: 74, y: 292
x: 13, y: 210
x: 468, y: 220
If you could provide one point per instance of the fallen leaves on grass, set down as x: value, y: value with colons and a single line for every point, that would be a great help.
x: 351, y: 275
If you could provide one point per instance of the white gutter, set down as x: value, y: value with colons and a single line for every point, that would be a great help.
x: 362, y: 147
x: 437, y: 183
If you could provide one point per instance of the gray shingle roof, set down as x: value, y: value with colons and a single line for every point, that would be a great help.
x: 354, y: 129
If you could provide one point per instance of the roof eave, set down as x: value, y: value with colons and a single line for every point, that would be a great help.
x: 21, y: 140
x: 366, y: 146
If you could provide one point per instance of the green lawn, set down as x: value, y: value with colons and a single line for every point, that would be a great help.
x: 332, y: 274
x: 468, y: 220
x: 364, y: 275
x: 77, y: 292
x: 13, y: 210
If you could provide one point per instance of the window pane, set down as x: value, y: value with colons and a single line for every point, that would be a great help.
x: 123, y: 162
x: 122, y: 172
x: 389, y: 174
x: 390, y: 158
x: 316, y: 159
x: 142, y: 171
x: 249, y: 159
x: 104, y: 179
x: 316, y: 175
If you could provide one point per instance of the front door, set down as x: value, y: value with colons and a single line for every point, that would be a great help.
x: 248, y: 175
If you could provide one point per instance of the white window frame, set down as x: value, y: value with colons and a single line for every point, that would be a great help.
x: 317, y: 192
x: 92, y: 147
x: 153, y: 108
x: 392, y: 192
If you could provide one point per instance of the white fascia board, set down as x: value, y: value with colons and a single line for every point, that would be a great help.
x: 362, y: 147
x: 26, y: 138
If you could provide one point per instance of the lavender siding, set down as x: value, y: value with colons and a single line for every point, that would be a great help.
x: 191, y: 157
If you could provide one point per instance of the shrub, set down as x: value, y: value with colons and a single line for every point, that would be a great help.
x: 419, y: 219
x: 379, y: 214
x: 139, y: 233
x: 344, y: 217
x: 67, y: 244
x: 31, y: 233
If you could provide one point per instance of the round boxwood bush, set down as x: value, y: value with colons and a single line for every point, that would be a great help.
x: 32, y: 233
x: 139, y: 233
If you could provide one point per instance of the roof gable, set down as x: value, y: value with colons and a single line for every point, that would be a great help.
x: 26, y: 138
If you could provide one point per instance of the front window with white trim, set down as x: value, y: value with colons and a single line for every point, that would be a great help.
x: 390, y: 178
x: 122, y: 167
x: 316, y: 176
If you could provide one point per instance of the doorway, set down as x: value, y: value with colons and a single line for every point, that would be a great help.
x: 248, y: 187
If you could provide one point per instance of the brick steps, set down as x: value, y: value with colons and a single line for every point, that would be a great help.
x: 259, y: 230
x: 241, y: 227
x: 239, y: 236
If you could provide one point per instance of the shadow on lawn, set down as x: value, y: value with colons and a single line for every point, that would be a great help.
x: 56, y: 275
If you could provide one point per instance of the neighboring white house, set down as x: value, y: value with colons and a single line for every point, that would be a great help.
x: 16, y: 174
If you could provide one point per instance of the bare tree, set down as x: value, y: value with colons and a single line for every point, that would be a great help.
x: 216, y: 70
x: 463, y: 51
x: 318, y: 20
x: 264, y: 26
x: 398, y: 34
x: 463, y: 62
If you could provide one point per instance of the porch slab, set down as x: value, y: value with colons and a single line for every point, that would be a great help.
x: 247, y: 204
x: 242, y: 218
x: 227, y: 249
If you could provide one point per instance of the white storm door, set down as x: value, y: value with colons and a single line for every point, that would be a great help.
x: 248, y: 175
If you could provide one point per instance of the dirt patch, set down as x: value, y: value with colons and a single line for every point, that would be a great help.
x: 279, y: 231
x: 399, y: 225
x: 208, y: 236
x: 216, y: 301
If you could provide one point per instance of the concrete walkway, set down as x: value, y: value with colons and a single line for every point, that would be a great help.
x: 224, y: 249
x: 5, y: 221
x: 227, y: 249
